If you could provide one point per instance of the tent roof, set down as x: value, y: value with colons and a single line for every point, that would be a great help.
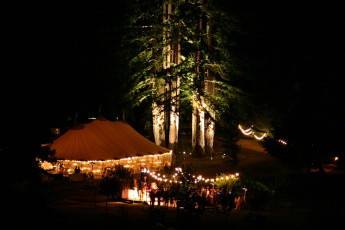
x: 103, y: 140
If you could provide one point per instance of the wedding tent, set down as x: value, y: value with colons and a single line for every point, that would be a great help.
x: 95, y: 146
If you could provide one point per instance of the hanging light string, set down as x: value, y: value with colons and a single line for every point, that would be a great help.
x: 250, y: 131
x: 196, y: 179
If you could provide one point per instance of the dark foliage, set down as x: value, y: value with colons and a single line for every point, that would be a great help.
x: 115, y: 180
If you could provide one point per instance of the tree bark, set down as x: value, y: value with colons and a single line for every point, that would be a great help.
x: 158, y: 123
x: 198, y: 116
x: 166, y: 66
x: 198, y: 130
x: 166, y: 112
x: 210, y: 88
x: 175, y: 94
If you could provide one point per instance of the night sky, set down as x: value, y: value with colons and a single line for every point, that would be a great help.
x: 56, y: 51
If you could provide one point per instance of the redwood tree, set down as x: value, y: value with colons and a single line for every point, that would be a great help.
x: 179, y: 62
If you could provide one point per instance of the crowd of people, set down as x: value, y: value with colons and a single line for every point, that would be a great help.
x: 196, y: 198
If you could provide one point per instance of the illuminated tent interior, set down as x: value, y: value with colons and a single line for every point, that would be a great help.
x: 102, y: 143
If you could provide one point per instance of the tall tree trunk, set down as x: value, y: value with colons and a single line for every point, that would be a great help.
x: 198, y: 129
x: 166, y: 66
x: 198, y: 116
x: 158, y: 122
x: 165, y: 111
x: 210, y: 89
x: 209, y: 134
x: 175, y: 94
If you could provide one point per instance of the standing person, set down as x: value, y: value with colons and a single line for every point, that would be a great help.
x: 212, y: 195
x: 159, y: 195
x: 238, y: 202
x: 152, y: 197
x: 208, y: 200
x: 231, y: 200
x: 140, y: 191
x: 224, y: 200
x: 166, y: 197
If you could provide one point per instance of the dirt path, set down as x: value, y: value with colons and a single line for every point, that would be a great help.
x: 253, y: 159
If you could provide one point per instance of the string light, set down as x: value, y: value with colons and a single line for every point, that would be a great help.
x: 259, y: 138
x: 135, y: 163
x: 250, y: 131
x: 197, y: 179
x: 282, y: 142
x: 246, y: 132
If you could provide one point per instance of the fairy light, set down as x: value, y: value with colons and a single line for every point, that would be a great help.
x: 246, y: 132
x: 196, y: 179
x: 67, y: 167
x: 282, y: 142
x: 250, y: 131
x: 259, y: 138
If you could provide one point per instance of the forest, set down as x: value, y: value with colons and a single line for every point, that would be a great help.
x: 178, y: 67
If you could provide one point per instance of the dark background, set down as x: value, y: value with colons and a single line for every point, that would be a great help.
x: 61, y: 58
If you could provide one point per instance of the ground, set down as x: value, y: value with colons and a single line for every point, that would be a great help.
x: 306, y: 201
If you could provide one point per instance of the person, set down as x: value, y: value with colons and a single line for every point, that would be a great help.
x: 212, y: 194
x: 231, y: 200
x: 140, y: 191
x: 238, y: 202
x: 152, y: 197
x: 208, y: 200
x: 224, y: 200
x: 203, y: 202
x: 159, y: 196
x: 166, y: 197
x: 76, y: 170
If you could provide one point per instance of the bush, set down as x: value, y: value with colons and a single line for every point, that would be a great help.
x: 258, y: 195
x: 111, y: 187
x: 115, y: 180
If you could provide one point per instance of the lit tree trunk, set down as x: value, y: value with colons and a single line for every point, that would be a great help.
x: 158, y: 124
x: 211, y: 90
x: 198, y: 116
x: 166, y: 66
x: 173, y: 129
x: 158, y: 120
x: 158, y: 105
x: 166, y: 114
x: 209, y: 132
x: 175, y: 95
x: 198, y: 129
